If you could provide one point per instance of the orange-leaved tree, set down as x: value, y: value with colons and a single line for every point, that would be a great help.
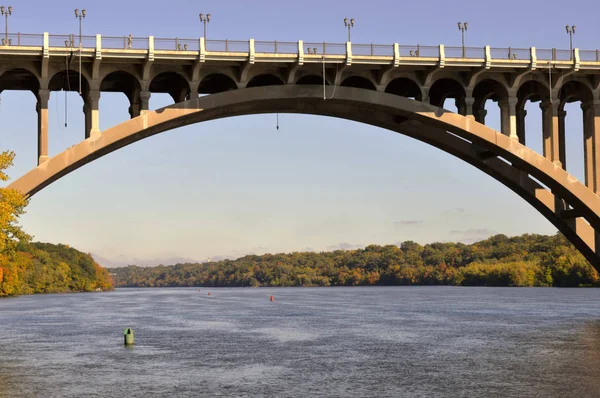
x: 12, y: 205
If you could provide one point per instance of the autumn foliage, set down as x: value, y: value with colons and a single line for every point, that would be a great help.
x: 27, y: 268
x: 527, y: 260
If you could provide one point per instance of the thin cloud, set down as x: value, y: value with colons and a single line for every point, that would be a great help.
x: 472, y: 235
x: 408, y: 222
x: 344, y: 246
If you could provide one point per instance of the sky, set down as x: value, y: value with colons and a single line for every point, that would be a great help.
x: 236, y: 186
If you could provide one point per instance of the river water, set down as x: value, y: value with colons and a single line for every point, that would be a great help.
x: 309, y: 342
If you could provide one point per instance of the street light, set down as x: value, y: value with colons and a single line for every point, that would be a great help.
x: 349, y: 24
x: 463, y: 27
x: 6, y: 12
x: 205, y: 20
x: 571, y: 32
x: 80, y: 16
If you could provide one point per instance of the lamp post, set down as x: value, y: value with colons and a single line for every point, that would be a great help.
x: 205, y: 20
x: 6, y: 12
x: 80, y: 16
x: 349, y: 24
x: 571, y: 32
x: 463, y: 27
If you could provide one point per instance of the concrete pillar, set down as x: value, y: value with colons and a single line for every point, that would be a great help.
x: 144, y: 102
x: 591, y: 144
x: 140, y: 104
x: 469, y: 101
x: 461, y: 106
x: 521, y: 113
x: 42, y: 111
x: 508, y: 117
x: 480, y: 115
x: 550, y: 130
x: 562, y: 146
x: 92, y: 113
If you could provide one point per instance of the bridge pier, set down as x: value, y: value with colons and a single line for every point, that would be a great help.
x: 43, y: 97
x: 140, y: 104
x: 521, y: 114
x: 591, y: 144
x: 550, y: 130
x: 562, y: 143
x: 92, y: 113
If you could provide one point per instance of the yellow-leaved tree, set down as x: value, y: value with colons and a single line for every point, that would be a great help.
x: 12, y: 205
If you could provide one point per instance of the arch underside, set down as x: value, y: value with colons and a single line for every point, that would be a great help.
x: 566, y: 203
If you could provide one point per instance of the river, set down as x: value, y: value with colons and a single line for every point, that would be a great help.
x: 309, y: 342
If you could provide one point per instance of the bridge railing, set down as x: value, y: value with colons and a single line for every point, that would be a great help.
x: 326, y: 48
x: 234, y: 46
x: 511, y: 53
x: 373, y: 50
x: 177, y: 44
x: 465, y: 52
x: 276, y: 47
x: 22, y: 39
x: 589, y: 55
x: 419, y: 51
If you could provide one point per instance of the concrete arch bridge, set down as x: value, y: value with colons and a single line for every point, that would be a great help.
x: 397, y: 91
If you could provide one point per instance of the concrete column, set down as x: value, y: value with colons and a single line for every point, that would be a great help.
x: 508, y: 117
x: 480, y: 115
x: 562, y: 146
x: 591, y: 144
x: 550, y: 130
x: 521, y: 113
x: 461, y: 106
x: 42, y: 111
x: 469, y: 101
x: 92, y: 113
x: 144, y: 102
x: 140, y: 104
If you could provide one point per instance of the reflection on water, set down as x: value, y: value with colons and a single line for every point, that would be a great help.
x: 375, y: 341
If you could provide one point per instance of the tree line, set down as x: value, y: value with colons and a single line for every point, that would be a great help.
x: 526, y: 260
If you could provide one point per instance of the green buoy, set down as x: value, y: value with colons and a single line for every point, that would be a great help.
x: 128, y: 336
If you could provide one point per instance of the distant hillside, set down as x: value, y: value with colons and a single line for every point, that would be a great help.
x: 123, y: 261
x: 527, y: 260
x: 48, y: 268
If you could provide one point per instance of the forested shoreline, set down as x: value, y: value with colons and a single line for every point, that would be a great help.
x: 526, y: 260
x: 47, y: 268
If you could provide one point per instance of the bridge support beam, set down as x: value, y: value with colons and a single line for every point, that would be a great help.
x: 92, y: 113
x: 140, y: 105
x: 508, y: 117
x: 42, y: 110
x: 521, y: 114
x: 562, y: 143
x: 550, y: 130
x: 591, y: 144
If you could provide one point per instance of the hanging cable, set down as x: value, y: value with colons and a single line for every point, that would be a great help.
x: 278, y: 122
x: 324, y: 95
x: 68, y: 84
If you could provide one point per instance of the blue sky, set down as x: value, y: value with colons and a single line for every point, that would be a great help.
x: 237, y: 186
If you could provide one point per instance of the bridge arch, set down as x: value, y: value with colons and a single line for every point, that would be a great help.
x: 68, y: 80
x: 311, y: 80
x: 19, y: 79
x: 567, y: 203
x: 357, y: 81
x: 404, y: 87
x: 121, y: 82
x: 264, y: 80
x: 216, y: 83
x: 171, y: 83
x: 445, y: 88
